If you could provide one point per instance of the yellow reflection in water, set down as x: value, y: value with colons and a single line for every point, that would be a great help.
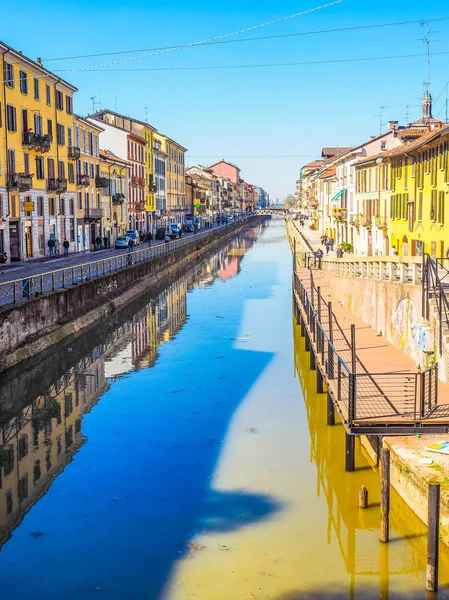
x: 318, y: 544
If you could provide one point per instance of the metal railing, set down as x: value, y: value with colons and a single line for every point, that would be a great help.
x: 359, y: 394
x: 435, y: 287
x: 29, y: 287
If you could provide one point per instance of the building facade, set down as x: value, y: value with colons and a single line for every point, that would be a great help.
x: 37, y: 183
x: 175, y: 180
x: 114, y: 172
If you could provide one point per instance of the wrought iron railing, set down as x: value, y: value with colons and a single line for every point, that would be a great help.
x: 27, y: 288
x: 435, y: 286
x: 361, y: 395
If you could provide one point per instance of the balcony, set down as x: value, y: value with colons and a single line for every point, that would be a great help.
x: 140, y: 206
x: 354, y: 220
x: 74, y: 152
x: 37, y: 141
x: 381, y: 222
x: 102, y: 182
x: 140, y: 181
x: 340, y: 215
x: 118, y: 198
x: 94, y: 213
x: 57, y: 185
x: 152, y: 188
x: 19, y: 181
x: 84, y: 180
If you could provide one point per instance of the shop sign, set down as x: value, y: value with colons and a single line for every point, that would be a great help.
x: 28, y: 206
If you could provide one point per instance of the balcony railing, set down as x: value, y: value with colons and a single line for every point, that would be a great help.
x: 101, y: 182
x: 84, y: 180
x: 140, y: 206
x: 138, y: 181
x: 118, y: 198
x: 20, y: 181
x: 74, y: 152
x: 57, y: 185
x: 94, y: 213
x: 381, y: 222
x: 37, y: 141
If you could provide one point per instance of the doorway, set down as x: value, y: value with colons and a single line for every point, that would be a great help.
x: 28, y: 242
x: 14, y: 242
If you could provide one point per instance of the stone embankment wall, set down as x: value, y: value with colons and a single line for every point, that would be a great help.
x: 32, y: 327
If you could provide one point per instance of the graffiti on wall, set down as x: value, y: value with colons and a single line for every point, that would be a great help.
x: 402, y: 318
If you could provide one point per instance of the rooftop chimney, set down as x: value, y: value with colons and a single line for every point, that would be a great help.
x: 39, y: 61
x: 393, y: 125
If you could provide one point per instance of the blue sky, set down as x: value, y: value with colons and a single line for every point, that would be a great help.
x: 247, y: 116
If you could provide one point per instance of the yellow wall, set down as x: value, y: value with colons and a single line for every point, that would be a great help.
x: 149, y: 169
x: 418, y: 203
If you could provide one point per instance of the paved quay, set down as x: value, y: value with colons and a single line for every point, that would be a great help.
x: 413, y: 466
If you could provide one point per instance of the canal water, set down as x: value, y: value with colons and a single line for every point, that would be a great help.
x: 179, y: 451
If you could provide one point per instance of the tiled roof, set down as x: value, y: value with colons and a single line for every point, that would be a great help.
x: 313, y: 164
x: 333, y: 151
x: 329, y: 172
x: 410, y: 147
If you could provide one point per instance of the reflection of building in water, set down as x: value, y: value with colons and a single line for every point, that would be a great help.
x: 38, y: 440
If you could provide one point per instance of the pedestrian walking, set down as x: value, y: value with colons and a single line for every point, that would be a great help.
x: 328, y: 247
x: 130, y: 245
x: 332, y: 243
x: 66, y: 245
x: 340, y: 252
x: 98, y: 242
x: 166, y: 238
x: 105, y: 242
x: 58, y: 247
x: 51, y: 246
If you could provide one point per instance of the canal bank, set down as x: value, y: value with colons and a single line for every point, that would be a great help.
x: 190, y: 457
x: 413, y: 467
x: 32, y: 325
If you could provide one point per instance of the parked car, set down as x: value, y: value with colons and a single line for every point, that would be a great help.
x: 160, y: 233
x: 122, y: 242
x: 134, y: 234
x: 175, y: 228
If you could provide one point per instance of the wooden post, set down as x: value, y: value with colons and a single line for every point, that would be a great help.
x: 312, y: 359
x: 363, y: 497
x: 330, y: 410
x: 433, y: 532
x: 350, y: 453
x: 319, y: 382
x: 319, y: 303
x: 385, y: 496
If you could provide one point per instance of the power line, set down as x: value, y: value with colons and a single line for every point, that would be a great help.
x: 263, y: 65
x: 193, y: 44
x: 254, y: 39
x: 214, y: 39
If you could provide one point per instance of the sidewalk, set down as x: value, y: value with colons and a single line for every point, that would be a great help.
x: 313, y: 237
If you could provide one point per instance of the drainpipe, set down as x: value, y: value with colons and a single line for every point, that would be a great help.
x: 5, y: 115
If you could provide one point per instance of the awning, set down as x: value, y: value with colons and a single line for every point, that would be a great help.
x: 338, y: 195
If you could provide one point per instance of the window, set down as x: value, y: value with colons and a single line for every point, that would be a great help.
x: 69, y: 137
x: 11, y: 166
x: 80, y: 200
x: 92, y: 171
x: 9, y: 503
x: 48, y: 94
x: 26, y: 163
x: 59, y: 99
x: 62, y: 206
x: 51, y: 207
x: 61, y: 169
x: 11, y: 117
x: 440, y: 215
x: 40, y: 206
x: 8, y: 74
x: 91, y: 143
x: 72, y: 208
x: 77, y: 136
x: 60, y: 134
x: 406, y: 173
x: 71, y: 172
x: 36, y: 88
x: 433, y: 205
x: 51, y: 168
x: 38, y: 124
x: 22, y: 449
x: 40, y: 173
x: 72, y: 229
x: 405, y: 206
x: 420, y: 202
x: 23, y: 82
x: 86, y: 168
x: 84, y: 140
x: 69, y: 105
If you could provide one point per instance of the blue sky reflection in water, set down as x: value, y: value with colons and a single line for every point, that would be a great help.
x: 206, y: 470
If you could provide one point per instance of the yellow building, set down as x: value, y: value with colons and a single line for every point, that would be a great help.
x: 160, y: 158
x: 175, y: 177
x: 150, y: 186
x: 89, y: 184
x: 37, y: 187
x: 418, y: 219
